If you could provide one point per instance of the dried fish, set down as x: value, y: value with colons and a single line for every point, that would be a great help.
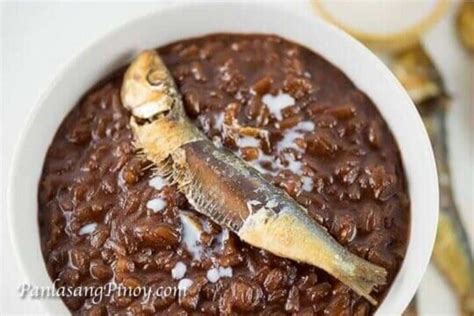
x: 465, y: 24
x: 451, y: 253
x: 412, y: 309
x: 225, y: 188
x: 417, y: 74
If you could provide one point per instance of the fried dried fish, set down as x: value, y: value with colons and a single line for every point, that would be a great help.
x: 225, y: 188
x: 417, y: 74
x: 465, y: 24
x: 451, y: 253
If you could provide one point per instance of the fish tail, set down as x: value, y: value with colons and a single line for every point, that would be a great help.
x: 362, y: 277
x: 292, y: 233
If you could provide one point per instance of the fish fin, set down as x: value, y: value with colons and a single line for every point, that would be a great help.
x: 164, y: 169
x: 196, y: 194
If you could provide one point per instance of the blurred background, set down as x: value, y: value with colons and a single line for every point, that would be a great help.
x: 428, y: 44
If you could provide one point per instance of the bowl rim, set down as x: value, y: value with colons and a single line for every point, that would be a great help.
x: 415, y: 278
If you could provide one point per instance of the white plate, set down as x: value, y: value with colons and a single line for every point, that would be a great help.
x: 164, y: 26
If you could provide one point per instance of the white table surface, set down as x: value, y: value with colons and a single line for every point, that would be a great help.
x: 38, y: 38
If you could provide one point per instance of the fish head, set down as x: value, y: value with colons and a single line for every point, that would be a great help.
x: 148, y: 89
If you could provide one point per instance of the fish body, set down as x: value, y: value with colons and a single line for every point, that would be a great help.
x: 465, y: 25
x: 451, y: 253
x: 225, y: 188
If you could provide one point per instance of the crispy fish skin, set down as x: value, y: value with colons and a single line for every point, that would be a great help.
x: 225, y: 188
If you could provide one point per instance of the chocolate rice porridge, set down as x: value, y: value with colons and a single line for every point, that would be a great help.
x: 105, y: 216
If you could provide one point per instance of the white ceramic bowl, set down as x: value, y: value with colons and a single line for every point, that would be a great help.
x: 164, y: 26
